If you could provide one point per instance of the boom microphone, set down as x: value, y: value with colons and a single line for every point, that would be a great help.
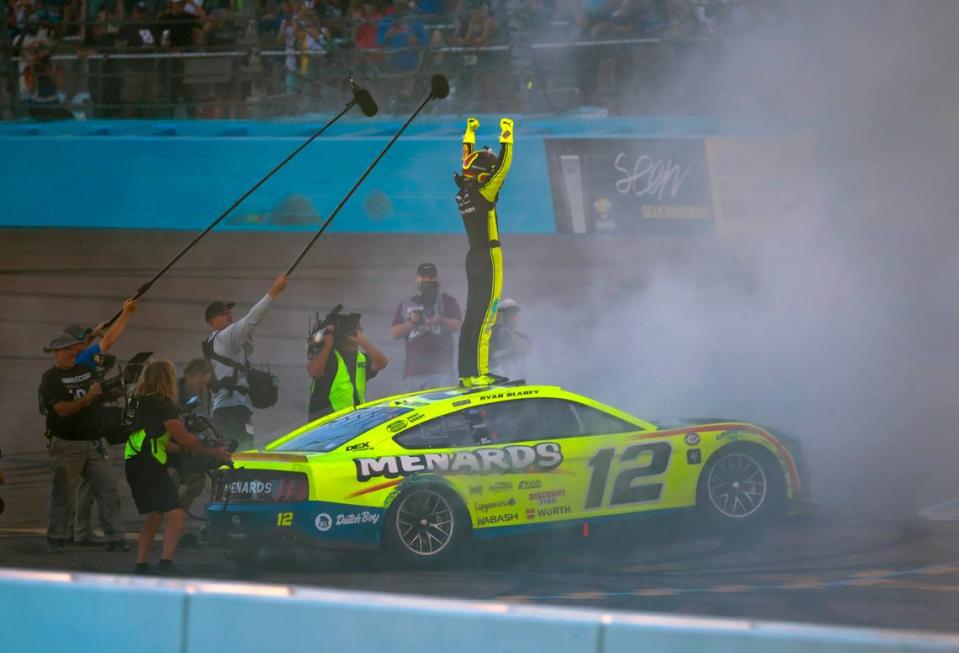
x: 439, y: 86
x: 363, y: 98
x: 439, y: 89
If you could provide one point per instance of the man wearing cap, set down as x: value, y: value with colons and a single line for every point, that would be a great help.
x: 232, y: 408
x: 508, y: 345
x: 427, y: 322
x: 69, y: 393
x: 87, y: 350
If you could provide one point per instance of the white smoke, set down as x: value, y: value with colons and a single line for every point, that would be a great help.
x: 837, y: 322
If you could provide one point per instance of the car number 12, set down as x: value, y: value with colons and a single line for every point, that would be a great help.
x: 625, y: 490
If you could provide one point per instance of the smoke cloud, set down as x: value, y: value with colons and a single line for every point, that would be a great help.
x: 835, y: 321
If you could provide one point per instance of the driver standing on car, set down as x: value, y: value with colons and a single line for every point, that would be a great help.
x: 482, y: 177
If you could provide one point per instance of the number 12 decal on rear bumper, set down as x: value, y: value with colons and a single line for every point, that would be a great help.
x: 625, y: 488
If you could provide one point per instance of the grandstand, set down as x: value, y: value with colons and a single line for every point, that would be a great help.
x: 264, y: 58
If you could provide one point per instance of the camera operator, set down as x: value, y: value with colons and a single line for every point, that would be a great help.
x: 427, y: 322
x: 338, y: 368
x: 69, y: 394
x: 233, y: 340
x: 189, y: 473
x: 87, y: 354
x: 155, y: 422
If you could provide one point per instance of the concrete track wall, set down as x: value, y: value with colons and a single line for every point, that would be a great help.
x: 49, y: 278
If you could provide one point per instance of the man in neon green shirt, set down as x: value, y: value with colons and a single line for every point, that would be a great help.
x: 340, y: 371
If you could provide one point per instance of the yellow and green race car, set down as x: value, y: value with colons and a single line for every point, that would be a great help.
x: 420, y: 474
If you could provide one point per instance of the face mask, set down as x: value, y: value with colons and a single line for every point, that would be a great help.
x: 429, y: 290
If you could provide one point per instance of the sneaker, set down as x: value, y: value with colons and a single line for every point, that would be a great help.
x: 485, y: 379
x: 117, y: 546
x: 166, y: 568
x: 142, y: 569
x: 55, y: 545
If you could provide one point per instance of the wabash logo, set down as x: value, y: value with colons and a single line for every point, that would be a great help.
x: 492, y: 520
x: 514, y: 458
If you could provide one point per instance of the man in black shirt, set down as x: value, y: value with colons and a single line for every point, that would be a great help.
x: 69, y: 394
x: 140, y: 77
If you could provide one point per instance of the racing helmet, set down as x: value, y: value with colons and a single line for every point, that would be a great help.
x: 480, y: 165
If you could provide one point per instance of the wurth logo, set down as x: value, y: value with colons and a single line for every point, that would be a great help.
x: 553, y: 511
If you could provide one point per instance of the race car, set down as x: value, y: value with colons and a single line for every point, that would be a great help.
x: 421, y: 474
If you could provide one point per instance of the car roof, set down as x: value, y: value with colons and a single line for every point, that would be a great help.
x: 437, y: 396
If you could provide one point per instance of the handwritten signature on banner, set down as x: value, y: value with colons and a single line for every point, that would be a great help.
x: 649, y: 177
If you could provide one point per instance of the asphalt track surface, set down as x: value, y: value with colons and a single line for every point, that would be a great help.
x: 830, y: 566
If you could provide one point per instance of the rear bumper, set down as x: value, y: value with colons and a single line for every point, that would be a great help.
x: 311, y: 523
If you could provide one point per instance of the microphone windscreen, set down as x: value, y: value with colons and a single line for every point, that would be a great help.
x: 439, y: 87
x: 365, y: 100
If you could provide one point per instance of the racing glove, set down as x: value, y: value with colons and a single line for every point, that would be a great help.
x: 469, y: 136
x: 505, y: 130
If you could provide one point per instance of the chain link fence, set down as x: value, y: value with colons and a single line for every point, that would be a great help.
x: 256, y: 78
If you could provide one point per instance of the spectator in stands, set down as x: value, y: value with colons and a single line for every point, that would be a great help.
x: 363, y: 16
x: 509, y: 346
x: 105, y: 74
x: 426, y: 322
x: 25, y: 45
x: 194, y: 8
x: 270, y: 17
x: 140, y: 81
x: 180, y: 29
x: 402, y: 29
x: 218, y: 31
x: 43, y: 80
x: 475, y: 29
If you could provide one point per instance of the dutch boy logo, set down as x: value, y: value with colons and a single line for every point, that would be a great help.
x: 323, y: 522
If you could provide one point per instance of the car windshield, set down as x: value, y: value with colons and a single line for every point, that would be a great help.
x: 330, y: 435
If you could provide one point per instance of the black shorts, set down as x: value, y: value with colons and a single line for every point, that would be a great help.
x: 153, y: 489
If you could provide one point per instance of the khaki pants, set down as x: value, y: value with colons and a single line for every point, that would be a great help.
x: 71, y: 462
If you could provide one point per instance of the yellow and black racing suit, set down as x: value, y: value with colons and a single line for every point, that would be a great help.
x: 476, y: 200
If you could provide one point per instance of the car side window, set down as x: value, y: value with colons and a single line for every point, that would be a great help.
x: 442, y: 432
x: 597, y: 422
x: 530, y: 419
x: 559, y: 418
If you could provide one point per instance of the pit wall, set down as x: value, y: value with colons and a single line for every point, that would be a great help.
x: 579, y: 175
x: 49, y: 611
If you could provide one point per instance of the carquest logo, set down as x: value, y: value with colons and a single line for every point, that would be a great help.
x: 323, y: 522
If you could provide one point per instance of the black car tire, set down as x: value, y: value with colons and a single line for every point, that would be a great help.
x: 426, y: 526
x: 742, y: 486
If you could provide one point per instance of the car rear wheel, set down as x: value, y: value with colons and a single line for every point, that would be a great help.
x: 741, y: 486
x: 425, y: 526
